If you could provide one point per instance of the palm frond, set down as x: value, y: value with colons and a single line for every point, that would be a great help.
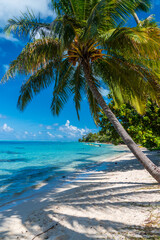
x: 149, y: 22
x: 65, y: 29
x: 136, y: 43
x: 63, y: 7
x: 80, y: 8
x: 27, y: 24
x: 129, y: 82
x: 129, y: 61
x: 40, y: 80
x: 62, y: 89
x: 34, y: 56
x: 107, y: 14
x: 94, y: 106
x: 143, y: 5
x: 78, y: 86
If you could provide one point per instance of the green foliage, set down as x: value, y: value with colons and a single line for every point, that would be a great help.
x: 145, y: 130
x: 126, y: 59
x: 26, y: 24
x: 95, y: 137
x: 144, y: 5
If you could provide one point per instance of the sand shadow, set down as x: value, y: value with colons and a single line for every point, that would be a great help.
x: 89, y: 197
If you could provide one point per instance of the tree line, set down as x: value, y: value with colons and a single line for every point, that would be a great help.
x: 144, y: 129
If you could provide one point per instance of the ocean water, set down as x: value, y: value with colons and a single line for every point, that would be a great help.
x: 24, y: 165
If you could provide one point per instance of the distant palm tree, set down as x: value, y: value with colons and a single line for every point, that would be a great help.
x: 85, y: 48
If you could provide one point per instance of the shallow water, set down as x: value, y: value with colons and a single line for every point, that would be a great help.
x: 23, y: 165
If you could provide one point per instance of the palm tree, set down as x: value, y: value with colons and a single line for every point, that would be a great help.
x: 84, y: 48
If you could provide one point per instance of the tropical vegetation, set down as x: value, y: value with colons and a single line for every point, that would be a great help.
x: 86, y: 47
x: 145, y: 130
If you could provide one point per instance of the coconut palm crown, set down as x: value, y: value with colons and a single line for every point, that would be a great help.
x: 88, y: 46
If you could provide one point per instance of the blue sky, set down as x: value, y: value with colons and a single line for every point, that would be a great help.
x: 37, y: 122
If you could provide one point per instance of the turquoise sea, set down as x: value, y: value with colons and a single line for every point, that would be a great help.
x: 24, y: 165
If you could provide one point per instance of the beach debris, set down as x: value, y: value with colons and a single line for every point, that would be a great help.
x: 52, y: 227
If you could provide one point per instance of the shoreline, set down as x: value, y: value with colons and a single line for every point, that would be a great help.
x: 93, y: 191
x: 57, y: 182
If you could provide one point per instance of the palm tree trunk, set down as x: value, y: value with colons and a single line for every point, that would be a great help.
x: 145, y: 161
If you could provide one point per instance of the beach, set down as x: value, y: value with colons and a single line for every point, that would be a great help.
x: 122, y: 202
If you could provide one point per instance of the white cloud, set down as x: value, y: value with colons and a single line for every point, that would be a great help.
x: 50, y: 134
x: 48, y: 127
x: 4, y: 36
x: 5, y: 67
x: 72, y: 131
x: 6, y: 128
x: 65, y: 132
x: 2, y: 116
x: 104, y: 92
x: 55, y: 124
x: 67, y: 123
x: 61, y: 132
x: 10, y: 8
x: 59, y: 136
x: 47, y: 33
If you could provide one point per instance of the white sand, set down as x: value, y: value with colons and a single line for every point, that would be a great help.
x: 122, y: 202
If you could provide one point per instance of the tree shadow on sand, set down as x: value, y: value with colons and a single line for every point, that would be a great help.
x: 51, y: 219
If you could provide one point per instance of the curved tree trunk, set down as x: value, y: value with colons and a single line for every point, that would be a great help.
x: 145, y: 161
